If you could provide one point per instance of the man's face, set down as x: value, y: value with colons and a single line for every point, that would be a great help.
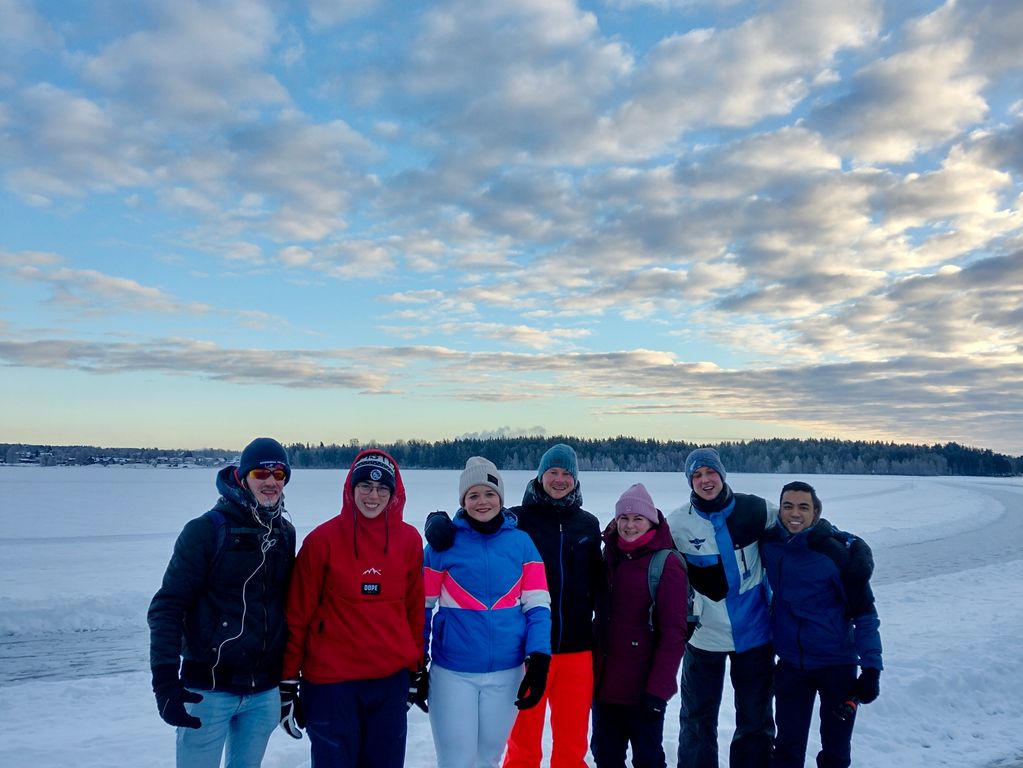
x: 265, y: 486
x: 707, y: 483
x: 557, y: 482
x: 796, y: 511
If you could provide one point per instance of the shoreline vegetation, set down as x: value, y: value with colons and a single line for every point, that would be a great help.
x: 610, y: 454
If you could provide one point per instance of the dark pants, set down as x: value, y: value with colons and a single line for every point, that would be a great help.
x: 703, y: 677
x: 615, y: 726
x: 358, y: 724
x: 795, y: 691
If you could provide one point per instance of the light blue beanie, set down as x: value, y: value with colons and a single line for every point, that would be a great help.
x: 561, y: 456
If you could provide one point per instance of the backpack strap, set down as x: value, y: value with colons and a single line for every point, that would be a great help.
x: 219, y: 523
x: 653, y: 576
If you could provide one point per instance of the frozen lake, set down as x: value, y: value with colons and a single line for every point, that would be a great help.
x: 83, y: 549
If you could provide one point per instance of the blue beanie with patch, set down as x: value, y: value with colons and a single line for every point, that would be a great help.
x: 561, y: 456
x: 703, y: 457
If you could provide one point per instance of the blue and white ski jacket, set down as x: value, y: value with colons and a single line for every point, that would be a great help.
x: 490, y: 592
x: 731, y: 596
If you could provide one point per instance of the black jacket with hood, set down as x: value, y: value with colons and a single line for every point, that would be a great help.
x: 220, y: 609
x: 568, y: 538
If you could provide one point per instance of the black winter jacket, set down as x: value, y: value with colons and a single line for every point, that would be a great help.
x: 568, y: 538
x: 198, y: 611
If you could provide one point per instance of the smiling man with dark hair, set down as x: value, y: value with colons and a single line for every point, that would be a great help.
x: 824, y: 624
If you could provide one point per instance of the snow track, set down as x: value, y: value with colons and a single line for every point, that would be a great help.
x: 993, y: 542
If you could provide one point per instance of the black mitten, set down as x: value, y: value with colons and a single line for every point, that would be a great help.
x: 534, y: 681
x: 171, y: 697
x: 868, y: 685
x: 292, y: 714
x: 439, y: 531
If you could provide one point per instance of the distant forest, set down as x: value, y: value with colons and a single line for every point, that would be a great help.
x: 613, y: 454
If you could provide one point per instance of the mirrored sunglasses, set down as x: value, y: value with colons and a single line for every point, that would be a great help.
x: 262, y: 473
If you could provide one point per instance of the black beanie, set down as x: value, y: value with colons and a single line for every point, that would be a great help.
x: 374, y: 467
x: 263, y: 452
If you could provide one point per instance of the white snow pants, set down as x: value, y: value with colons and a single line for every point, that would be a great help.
x: 471, y: 715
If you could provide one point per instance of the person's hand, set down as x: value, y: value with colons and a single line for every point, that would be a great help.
x: 171, y: 697
x: 534, y: 681
x: 868, y: 685
x: 653, y: 706
x: 419, y: 689
x: 439, y: 531
x: 292, y: 714
x: 861, y: 562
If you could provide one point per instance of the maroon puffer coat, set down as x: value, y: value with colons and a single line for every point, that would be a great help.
x: 630, y: 659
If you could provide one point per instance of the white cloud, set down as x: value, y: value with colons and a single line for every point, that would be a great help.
x: 195, y: 62
x: 64, y: 145
x: 740, y: 75
x: 906, y: 104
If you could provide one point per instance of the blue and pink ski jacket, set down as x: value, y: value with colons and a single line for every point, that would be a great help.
x: 491, y: 600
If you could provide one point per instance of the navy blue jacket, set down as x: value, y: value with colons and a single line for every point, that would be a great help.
x: 822, y: 607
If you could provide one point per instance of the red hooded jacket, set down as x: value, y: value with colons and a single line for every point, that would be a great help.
x: 355, y: 603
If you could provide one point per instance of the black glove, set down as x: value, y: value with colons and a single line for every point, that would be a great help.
x: 868, y: 685
x: 861, y: 562
x: 439, y: 531
x: 652, y: 707
x: 171, y: 697
x: 292, y: 714
x: 534, y: 681
x: 419, y: 689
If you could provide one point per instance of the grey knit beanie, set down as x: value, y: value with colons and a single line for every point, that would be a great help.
x: 479, y: 471
x: 704, y: 457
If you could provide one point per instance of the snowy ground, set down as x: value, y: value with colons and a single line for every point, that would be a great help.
x: 82, y: 550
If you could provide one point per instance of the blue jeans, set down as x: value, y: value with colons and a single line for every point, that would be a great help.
x: 703, y: 678
x: 243, y: 722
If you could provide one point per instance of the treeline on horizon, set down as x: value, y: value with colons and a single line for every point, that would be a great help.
x: 612, y: 454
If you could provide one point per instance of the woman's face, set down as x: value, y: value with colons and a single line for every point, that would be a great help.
x: 482, y: 503
x: 631, y: 526
x: 371, y: 498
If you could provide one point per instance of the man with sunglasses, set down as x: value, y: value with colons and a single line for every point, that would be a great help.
x: 217, y: 624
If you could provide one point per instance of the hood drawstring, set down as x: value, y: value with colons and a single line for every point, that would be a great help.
x: 387, y: 529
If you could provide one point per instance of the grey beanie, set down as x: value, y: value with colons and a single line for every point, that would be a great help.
x: 480, y: 471
x: 703, y: 457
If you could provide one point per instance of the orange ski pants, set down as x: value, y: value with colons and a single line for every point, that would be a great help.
x: 569, y: 692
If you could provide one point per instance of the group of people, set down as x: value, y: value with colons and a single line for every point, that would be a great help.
x: 509, y: 612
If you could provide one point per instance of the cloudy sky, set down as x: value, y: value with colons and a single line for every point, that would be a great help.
x: 355, y: 219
